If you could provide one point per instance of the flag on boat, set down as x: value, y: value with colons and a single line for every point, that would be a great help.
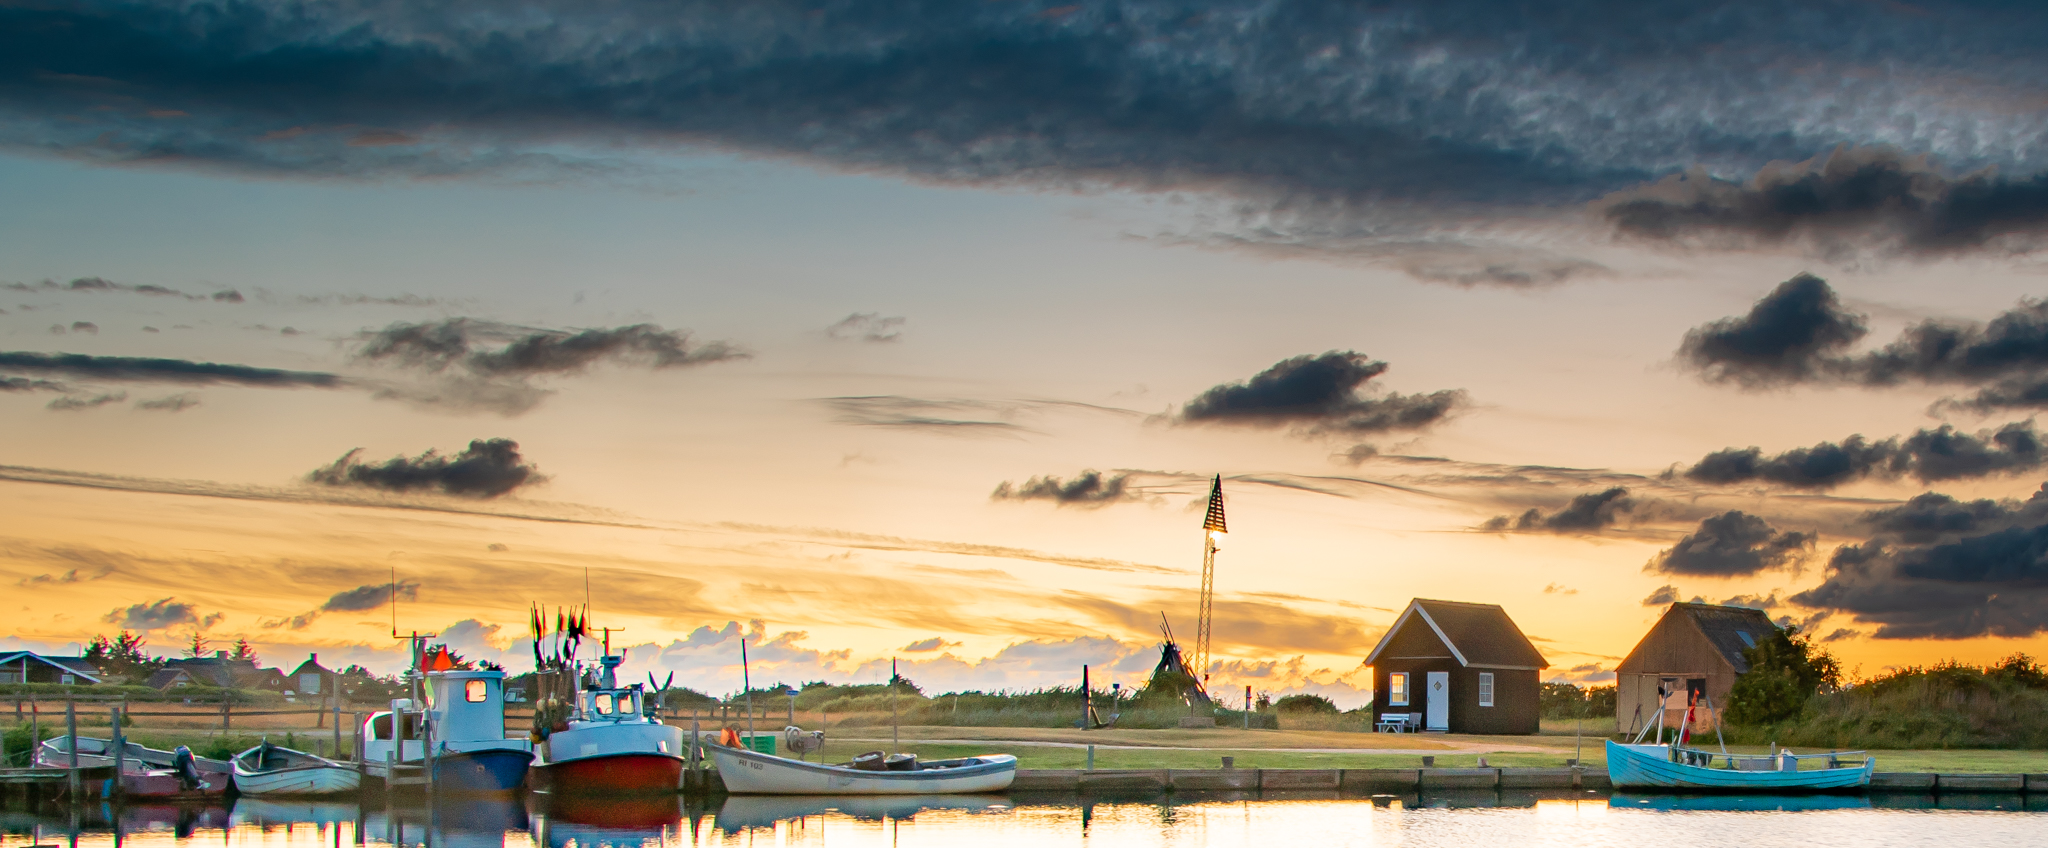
x: 1215, y: 519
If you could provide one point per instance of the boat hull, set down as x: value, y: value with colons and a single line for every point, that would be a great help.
x: 481, y: 772
x: 140, y: 763
x: 751, y: 773
x: 610, y: 774
x: 1632, y: 768
x: 306, y: 780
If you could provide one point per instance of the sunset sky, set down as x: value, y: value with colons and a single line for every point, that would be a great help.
x: 918, y: 330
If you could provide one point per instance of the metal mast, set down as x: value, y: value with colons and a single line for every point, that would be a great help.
x: 1212, y: 529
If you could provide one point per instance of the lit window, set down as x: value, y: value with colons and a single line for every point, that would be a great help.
x: 626, y: 704
x: 1485, y: 689
x: 1397, y: 689
x: 602, y: 701
x: 476, y: 691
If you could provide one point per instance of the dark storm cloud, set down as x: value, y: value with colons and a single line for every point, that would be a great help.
x: 471, y: 364
x: 1942, y: 568
x: 1587, y: 513
x: 1933, y: 516
x: 160, y: 614
x: 1943, y: 453
x: 1321, y: 394
x: 1800, y: 333
x: 1309, y: 113
x: 1732, y: 544
x: 485, y: 469
x: 153, y: 370
x: 1839, y: 202
x: 1786, y: 337
x: 1088, y: 488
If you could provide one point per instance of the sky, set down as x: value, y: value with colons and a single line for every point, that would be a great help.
x: 917, y: 331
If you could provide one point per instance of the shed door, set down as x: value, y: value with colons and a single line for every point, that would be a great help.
x: 1439, y: 699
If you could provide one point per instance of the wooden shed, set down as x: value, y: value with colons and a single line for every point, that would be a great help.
x: 1694, y: 652
x: 1459, y: 668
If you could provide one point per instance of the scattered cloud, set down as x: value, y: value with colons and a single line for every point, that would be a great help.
x: 160, y: 614
x: 1559, y: 589
x: 1321, y: 394
x: 153, y: 370
x: 360, y: 599
x: 1666, y: 594
x: 1732, y: 544
x: 74, y: 403
x: 925, y: 646
x: 1786, y: 337
x: 488, y: 468
x: 1587, y: 513
x: 949, y: 416
x: 1943, y: 453
x: 170, y: 403
x: 867, y: 327
x: 472, y: 364
x: 1089, y: 488
x: 1839, y: 204
x: 99, y: 284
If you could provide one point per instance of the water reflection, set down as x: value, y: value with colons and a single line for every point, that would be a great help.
x: 1219, y: 819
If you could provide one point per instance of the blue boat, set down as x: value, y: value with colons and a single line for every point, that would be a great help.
x: 1673, y: 768
x: 463, y: 719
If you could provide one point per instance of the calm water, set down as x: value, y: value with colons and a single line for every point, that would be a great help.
x: 1484, y: 820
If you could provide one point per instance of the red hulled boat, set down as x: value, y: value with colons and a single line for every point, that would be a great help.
x: 603, y: 740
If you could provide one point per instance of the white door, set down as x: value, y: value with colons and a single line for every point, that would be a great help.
x: 1438, y: 699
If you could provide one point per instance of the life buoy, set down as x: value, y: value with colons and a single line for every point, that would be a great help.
x: 730, y: 738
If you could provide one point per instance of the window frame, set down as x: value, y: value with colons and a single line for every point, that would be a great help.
x: 1398, y: 694
x: 1486, y: 693
x: 476, y: 690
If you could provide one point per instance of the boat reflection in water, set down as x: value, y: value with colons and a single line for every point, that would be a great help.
x: 628, y: 821
x: 462, y: 822
x: 1738, y: 803
x: 740, y: 812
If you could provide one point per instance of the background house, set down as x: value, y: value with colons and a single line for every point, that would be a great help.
x: 31, y: 667
x: 220, y: 671
x: 1458, y: 667
x: 313, y: 682
x: 1694, y: 652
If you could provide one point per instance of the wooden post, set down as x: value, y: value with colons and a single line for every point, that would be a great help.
x: 226, y: 720
x: 337, y: 727
x: 71, y: 727
x: 120, y: 752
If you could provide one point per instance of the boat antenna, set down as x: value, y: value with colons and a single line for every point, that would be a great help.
x: 895, y: 735
x: 394, y: 600
x: 747, y: 684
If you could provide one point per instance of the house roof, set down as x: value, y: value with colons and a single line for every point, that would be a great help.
x: 217, y: 671
x: 1731, y: 630
x: 72, y: 665
x: 1479, y: 635
x: 311, y: 665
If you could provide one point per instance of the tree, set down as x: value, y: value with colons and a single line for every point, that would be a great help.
x: 1558, y: 699
x: 243, y: 651
x: 197, y: 647
x: 1785, y: 671
x: 121, y: 656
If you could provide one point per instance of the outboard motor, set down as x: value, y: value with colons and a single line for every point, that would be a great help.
x: 188, y: 771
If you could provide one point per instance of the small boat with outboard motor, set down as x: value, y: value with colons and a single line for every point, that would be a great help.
x: 275, y: 770
x: 747, y: 772
x: 145, y: 772
x: 1678, y: 767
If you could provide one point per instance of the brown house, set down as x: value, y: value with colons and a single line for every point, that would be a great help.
x: 1694, y: 654
x: 1457, y: 667
x: 31, y: 667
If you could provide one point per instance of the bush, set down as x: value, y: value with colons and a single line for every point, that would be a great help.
x: 1561, y: 700
x: 1947, y: 705
x: 1305, y: 703
x: 1785, y: 671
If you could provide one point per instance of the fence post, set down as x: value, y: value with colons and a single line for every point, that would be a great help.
x: 120, y: 750
x: 337, y: 727
x: 71, y: 726
x: 226, y: 718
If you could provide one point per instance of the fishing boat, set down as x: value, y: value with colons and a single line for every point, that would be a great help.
x: 601, y: 739
x: 457, y: 735
x: 1677, y: 766
x: 272, y: 770
x: 748, y: 772
x: 145, y: 772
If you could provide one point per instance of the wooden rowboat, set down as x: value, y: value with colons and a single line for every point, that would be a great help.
x: 270, y: 770
x: 1669, y: 767
x: 752, y: 773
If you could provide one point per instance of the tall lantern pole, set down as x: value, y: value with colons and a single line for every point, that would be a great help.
x: 1213, y: 529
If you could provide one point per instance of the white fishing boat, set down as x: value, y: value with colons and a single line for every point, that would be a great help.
x: 609, y: 743
x: 462, y: 726
x: 752, y: 773
x: 271, y: 770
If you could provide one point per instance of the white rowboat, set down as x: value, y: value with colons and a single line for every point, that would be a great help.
x: 751, y: 773
x: 270, y: 770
